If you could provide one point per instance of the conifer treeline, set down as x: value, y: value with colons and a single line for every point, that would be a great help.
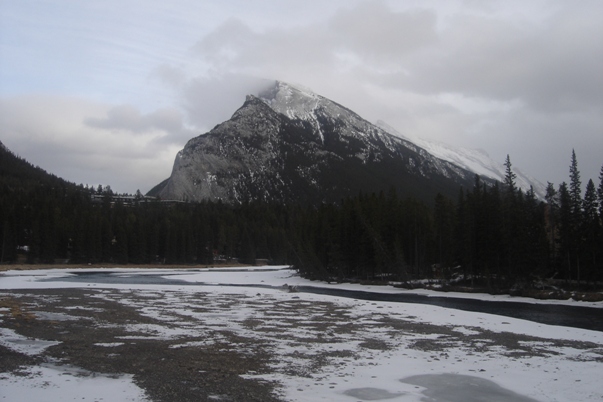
x: 496, y: 234
x: 69, y: 225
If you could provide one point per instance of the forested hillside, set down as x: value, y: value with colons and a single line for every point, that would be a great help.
x: 497, y: 235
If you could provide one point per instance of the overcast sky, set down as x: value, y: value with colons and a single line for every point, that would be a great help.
x: 108, y: 91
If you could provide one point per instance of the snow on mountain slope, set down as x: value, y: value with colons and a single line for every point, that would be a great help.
x: 326, y: 116
x: 475, y: 160
x: 297, y: 102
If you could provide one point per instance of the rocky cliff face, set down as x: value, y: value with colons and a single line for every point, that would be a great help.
x: 291, y: 145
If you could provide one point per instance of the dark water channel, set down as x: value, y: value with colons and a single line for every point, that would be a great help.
x: 570, y: 316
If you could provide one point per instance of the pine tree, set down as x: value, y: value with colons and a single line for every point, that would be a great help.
x: 591, y: 229
x: 599, y: 264
x: 534, y: 242
x: 552, y: 212
x: 575, y: 196
x: 464, y: 233
x: 8, y: 251
x: 511, y: 222
x: 444, y: 230
x: 509, y: 177
x: 565, y: 230
x: 493, y: 216
x: 575, y: 189
x: 600, y: 193
x: 478, y: 228
x: 591, y: 204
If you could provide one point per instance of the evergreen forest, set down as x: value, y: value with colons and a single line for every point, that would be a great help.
x: 496, y: 235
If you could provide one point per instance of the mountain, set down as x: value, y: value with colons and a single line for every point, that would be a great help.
x: 289, y: 144
x: 474, y: 160
x: 16, y: 174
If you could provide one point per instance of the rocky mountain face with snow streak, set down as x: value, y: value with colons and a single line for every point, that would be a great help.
x: 291, y: 145
x: 474, y: 160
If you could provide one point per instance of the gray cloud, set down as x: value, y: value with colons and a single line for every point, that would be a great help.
x: 377, y: 33
x: 122, y: 117
x: 129, y: 118
x: 235, y: 46
x: 212, y: 100
x: 552, y: 66
x: 169, y: 75
x: 371, y: 31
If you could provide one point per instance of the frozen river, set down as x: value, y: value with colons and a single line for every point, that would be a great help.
x: 169, y: 334
x: 577, y: 316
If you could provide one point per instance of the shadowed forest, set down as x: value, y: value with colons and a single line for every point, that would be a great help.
x: 499, y: 236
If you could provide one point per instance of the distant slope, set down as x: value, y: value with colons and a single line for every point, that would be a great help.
x: 16, y: 172
x: 474, y: 160
x: 154, y: 192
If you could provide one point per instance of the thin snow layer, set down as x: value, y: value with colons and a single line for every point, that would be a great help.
x: 329, y: 348
x: 31, y: 347
x: 60, y: 383
x: 49, y: 382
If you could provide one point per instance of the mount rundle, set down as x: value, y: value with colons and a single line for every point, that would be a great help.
x: 291, y: 145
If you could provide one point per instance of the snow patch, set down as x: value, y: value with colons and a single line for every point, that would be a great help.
x: 66, y: 383
x: 21, y: 344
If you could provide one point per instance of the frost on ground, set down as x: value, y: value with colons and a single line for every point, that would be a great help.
x: 237, y: 343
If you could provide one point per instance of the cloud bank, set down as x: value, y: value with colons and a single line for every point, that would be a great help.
x: 93, y: 143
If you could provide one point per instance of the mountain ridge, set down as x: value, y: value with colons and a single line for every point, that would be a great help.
x: 22, y: 173
x: 475, y: 160
x: 289, y: 144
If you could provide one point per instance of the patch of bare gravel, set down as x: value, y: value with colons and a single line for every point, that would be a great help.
x: 194, y: 354
x: 165, y: 373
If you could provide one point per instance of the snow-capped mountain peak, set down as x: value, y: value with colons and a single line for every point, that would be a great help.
x: 300, y: 103
x: 290, y: 144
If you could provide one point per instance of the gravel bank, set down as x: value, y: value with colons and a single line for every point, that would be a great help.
x: 193, y: 355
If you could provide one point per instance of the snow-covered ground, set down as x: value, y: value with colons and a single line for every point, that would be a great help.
x: 330, y: 348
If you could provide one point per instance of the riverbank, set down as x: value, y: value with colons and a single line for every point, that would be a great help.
x: 31, y: 267
x: 220, y: 342
x: 551, y: 292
